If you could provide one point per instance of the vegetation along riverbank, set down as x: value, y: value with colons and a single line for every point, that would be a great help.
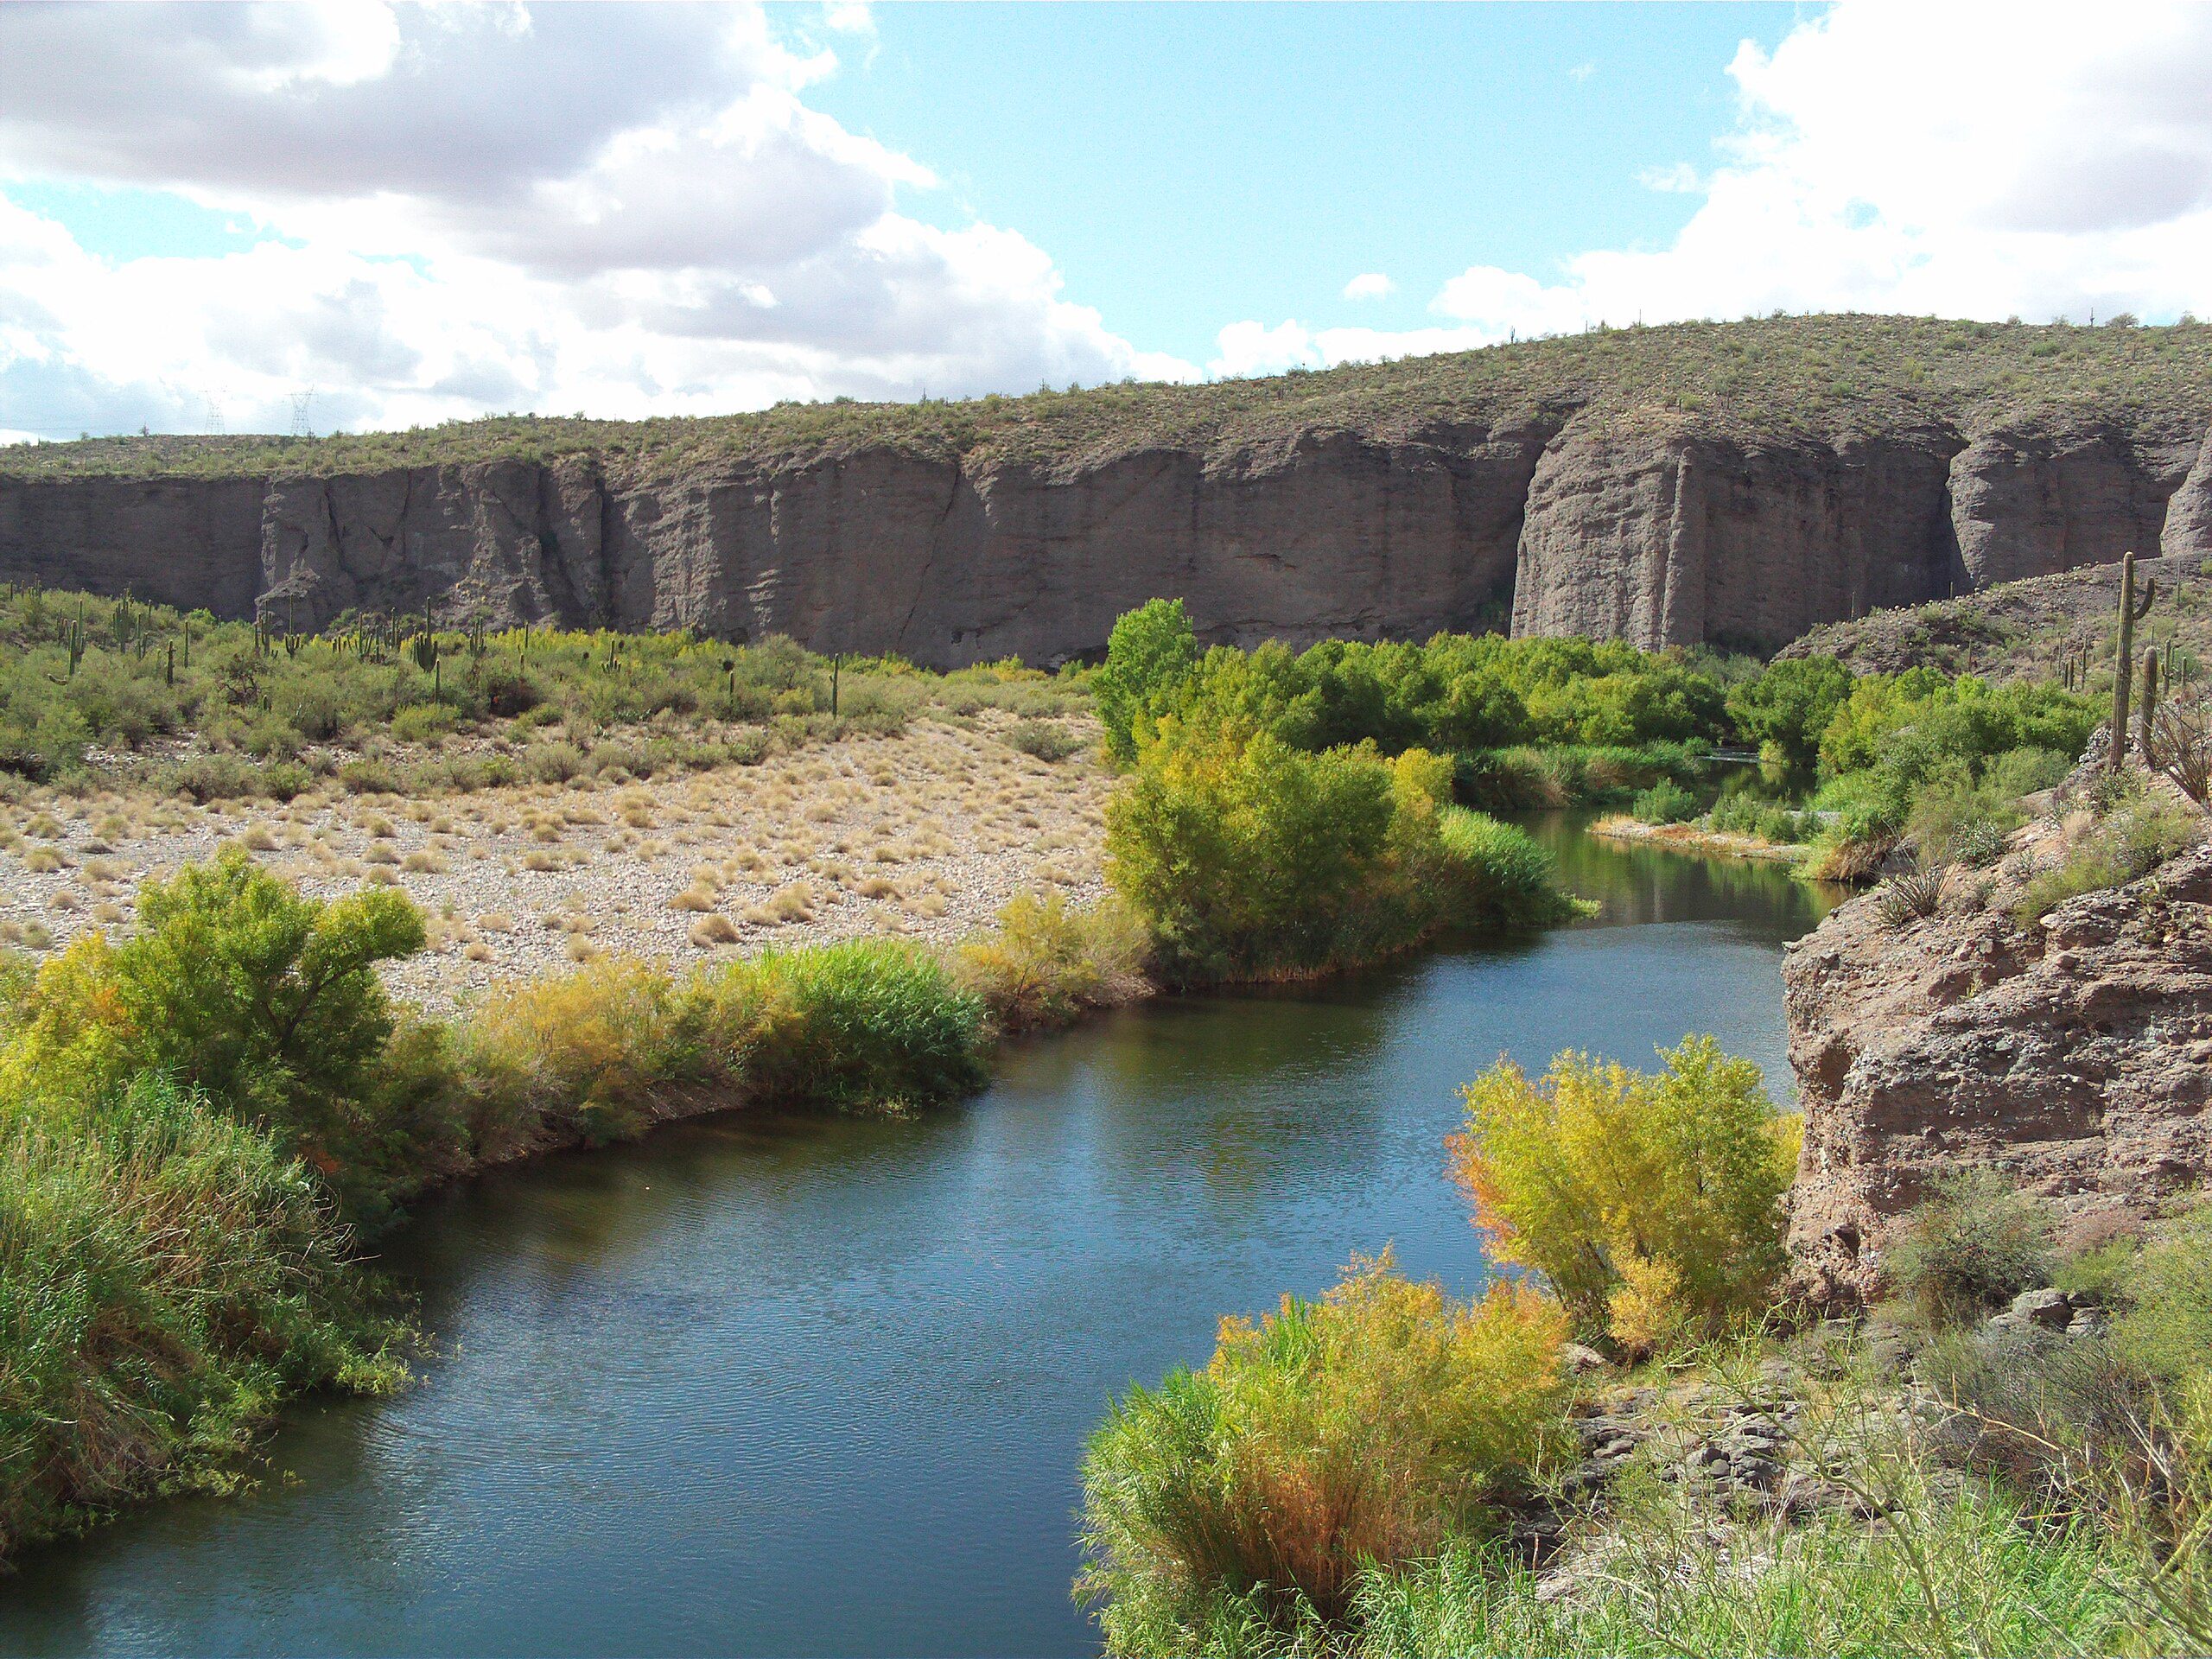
x: 208, y: 1103
x: 223, y: 1062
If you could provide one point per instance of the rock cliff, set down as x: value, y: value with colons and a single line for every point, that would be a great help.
x: 2075, y: 1055
x: 1663, y: 485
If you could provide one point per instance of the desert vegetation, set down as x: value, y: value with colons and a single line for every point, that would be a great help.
x: 1766, y: 372
x: 2008, y: 1454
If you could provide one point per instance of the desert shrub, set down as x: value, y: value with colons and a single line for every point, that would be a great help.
x: 1651, y: 1203
x: 1365, y: 1428
x: 878, y: 706
x: 1913, y: 895
x: 2139, y: 832
x: 1045, y: 962
x: 167, y: 1276
x: 2166, y: 1327
x: 1665, y: 801
x: 859, y: 1025
x: 554, y: 762
x: 1048, y: 740
x: 369, y: 774
x: 1971, y: 1247
x: 1149, y: 650
x: 205, y: 778
x: 422, y: 722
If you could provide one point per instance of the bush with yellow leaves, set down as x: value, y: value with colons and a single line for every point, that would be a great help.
x: 1651, y: 1203
x: 1364, y: 1429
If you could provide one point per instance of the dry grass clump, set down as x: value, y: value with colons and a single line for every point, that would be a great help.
x: 713, y: 930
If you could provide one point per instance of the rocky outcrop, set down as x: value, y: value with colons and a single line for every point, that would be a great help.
x: 2033, y: 506
x: 186, y: 542
x: 505, y: 539
x: 1668, y: 538
x: 1568, y: 517
x: 2186, y: 532
x: 2075, y: 1055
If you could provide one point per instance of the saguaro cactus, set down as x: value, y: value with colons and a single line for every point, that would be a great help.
x: 2123, y: 680
x: 2150, y: 711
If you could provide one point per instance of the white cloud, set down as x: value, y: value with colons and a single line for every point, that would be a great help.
x: 1369, y: 285
x: 1680, y: 180
x: 625, y: 209
x: 1961, y: 160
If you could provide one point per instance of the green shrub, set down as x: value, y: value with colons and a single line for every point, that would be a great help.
x: 1045, y: 963
x: 1363, y: 1429
x: 422, y: 722
x: 1665, y: 801
x: 1652, y: 1205
x: 867, y: 1025
x: 1969, y: 1248
x: 1497, y: 875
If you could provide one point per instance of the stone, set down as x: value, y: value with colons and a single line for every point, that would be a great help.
x: 2063, y: 1069
x: 1577, y: 1360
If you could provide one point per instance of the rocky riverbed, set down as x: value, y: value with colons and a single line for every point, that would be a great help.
x: 926, y: 834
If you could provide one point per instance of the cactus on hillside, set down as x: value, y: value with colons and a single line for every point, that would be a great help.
x: 2131, y: 612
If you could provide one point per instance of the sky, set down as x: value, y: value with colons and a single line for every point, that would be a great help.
x: 373, y: 215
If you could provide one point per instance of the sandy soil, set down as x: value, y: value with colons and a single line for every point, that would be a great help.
x: 925, y: 835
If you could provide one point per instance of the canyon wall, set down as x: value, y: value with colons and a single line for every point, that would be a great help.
x: 1652, y: 529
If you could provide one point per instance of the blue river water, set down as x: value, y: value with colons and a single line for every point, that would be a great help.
x: 795, y: 1386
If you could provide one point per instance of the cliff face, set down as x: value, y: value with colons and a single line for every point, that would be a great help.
x: 2075, y: 1056
x: 1572, y: 485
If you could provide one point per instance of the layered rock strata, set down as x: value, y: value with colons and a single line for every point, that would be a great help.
x: 1657, y: 532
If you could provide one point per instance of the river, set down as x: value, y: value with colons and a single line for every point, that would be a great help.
x: 788, y: 1386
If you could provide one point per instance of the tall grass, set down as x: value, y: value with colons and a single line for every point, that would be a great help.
x: 168, y: 1278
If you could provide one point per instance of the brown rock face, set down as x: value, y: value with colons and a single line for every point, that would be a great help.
x: 1654, y: 532
x: 185, y: 542
x: 1667, y: 539
x: 2078, y: 1056
x: 2030, y: 507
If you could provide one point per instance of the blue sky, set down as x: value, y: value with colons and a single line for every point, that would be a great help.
x: 1181, y: 163
x: 420, y: 213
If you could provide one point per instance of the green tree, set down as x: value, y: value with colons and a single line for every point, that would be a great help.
x: 267, y: 1001
x: 1150, y: 651
x: 1791, y: 704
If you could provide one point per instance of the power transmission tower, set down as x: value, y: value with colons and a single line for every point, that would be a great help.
x: 215, y: 426
x: 302, y: 411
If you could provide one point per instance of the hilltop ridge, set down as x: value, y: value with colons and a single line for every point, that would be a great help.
x: 1735, y: 482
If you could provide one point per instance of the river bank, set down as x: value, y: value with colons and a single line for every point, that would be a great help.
x: 1696, y: 839
x: 750, y: 1351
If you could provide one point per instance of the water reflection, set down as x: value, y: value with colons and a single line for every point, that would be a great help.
x: 764, y: 1385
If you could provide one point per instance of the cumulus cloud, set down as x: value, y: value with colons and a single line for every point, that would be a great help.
x: 627, y: 209
x: 1957, y: 159
x: 1369, y: 285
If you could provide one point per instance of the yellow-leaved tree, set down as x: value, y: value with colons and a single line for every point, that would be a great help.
x: 1651, y: 1201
